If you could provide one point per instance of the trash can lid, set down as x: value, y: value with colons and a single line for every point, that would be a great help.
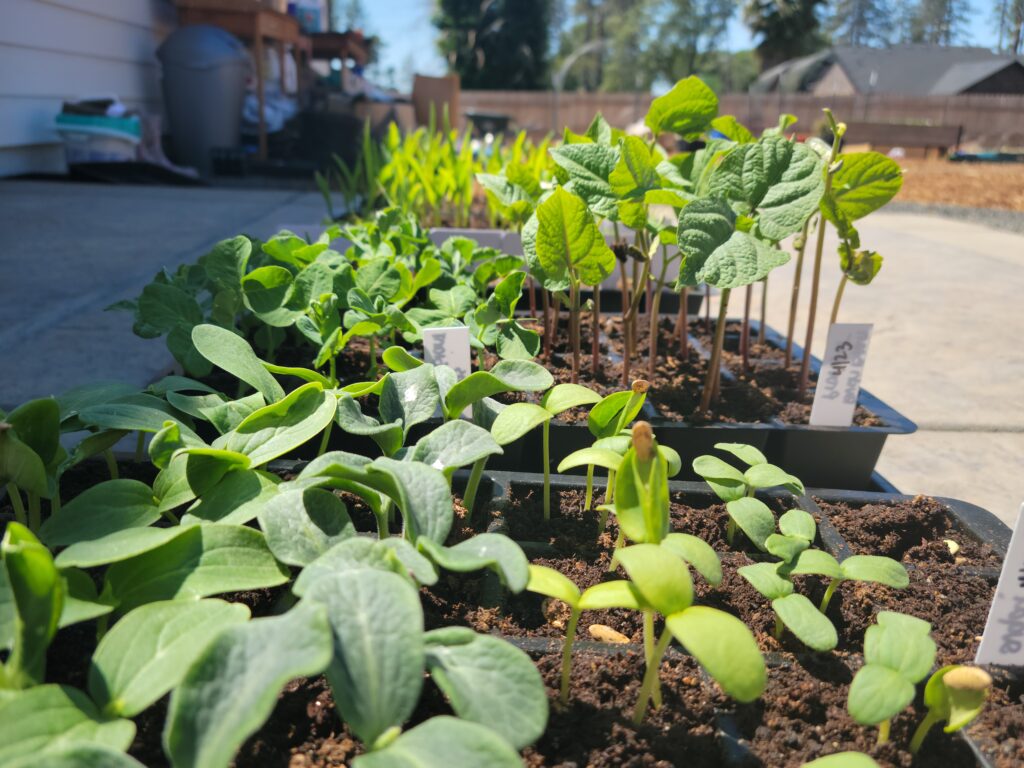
x: 201, y: 46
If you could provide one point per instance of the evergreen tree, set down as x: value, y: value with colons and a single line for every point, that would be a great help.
x: 787, y: 29
x: 496, y: 44
x: 861, y: 22
x: 939, y: 22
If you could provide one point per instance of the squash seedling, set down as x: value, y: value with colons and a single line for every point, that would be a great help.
x: 518, y: 419
x: 736, y: 489
x: 898, y: 653
x: 954, y: 694
x: 30, y: 456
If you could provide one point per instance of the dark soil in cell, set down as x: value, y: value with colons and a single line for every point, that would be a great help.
x: 912, y: 532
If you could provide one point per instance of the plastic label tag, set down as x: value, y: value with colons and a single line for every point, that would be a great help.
x: 448, y: 346
x: 835, y: 397
x: 1003, y: 640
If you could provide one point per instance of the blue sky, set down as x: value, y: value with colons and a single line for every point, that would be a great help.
x: 405, y: 28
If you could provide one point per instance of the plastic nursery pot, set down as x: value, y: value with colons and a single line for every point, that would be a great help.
x: 611, y: 301
x: 966, y: 522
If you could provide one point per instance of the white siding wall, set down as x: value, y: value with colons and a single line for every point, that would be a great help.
x: 56, y: 50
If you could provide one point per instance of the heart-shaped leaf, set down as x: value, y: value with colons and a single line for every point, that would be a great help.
x: 687, y: 109
x: 300, y: 525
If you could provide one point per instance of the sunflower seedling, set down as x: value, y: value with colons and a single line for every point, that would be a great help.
x: 872, y: 568
x: 955, y: 695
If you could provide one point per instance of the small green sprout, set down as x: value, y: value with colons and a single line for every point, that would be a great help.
x: 954, y: 694
x: 737, y: 489
x: 873, y: 568
x: 898, y: 652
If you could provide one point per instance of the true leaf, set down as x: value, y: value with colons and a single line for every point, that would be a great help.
x: 865, y: 182
x: 687, y: 109
x: 300, y: 525
x: 569, y: 242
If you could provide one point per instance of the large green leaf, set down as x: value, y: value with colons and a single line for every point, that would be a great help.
x: 505, y: 376
x: 76, y: 755
x: 106, y: 508
x: 485, y: 550
x: 687, y: 109
x: 280, y: 427
x: 38, y: 593
x: 516, y: 420
x: 716, y: 253
x: 205, y: 560
x: 410, y: 396
x: 357, y: 553
x: 116, y: 546
x: 636, y: 172
x: 163, y: 307
x: 350, y: 417
x: 135, y: 417
x: 148, y: 652
x: 697, y: 553
x: 232, y: 353
x: 231, y: 689
x: 489, y: 681
x: 377, y: 671
x: 444, y: 742
x: 660, y: 576
x: 569, y: 242
x: 864, y: 183
x: 725, y: 647
x: 754, y: 518
x: 300, y: 525
x: 454, y: 444
x: 588, y: 167
x: 37, y: 423
x: 47, y: 719
x: 235, y: 500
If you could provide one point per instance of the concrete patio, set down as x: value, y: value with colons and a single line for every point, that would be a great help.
x: 946, y: 307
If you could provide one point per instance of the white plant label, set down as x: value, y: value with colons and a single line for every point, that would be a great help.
x: 1003, y: 641
x: 448, y: 346
x: 835, y: 397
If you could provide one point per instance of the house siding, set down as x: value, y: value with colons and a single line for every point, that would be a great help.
x: 1007, y: 81
x: 834, y: 83
x: 57, y: 50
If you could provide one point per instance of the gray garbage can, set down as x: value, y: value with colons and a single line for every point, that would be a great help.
x: 204, y: 76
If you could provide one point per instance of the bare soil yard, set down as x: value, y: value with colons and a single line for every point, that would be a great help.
x: 973, y: 185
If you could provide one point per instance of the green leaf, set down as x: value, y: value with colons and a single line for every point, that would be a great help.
x: 265, y: 290
x: 771, y: 476
x: 37, y: 424
x: 98, y: 511
x: 662, y: 579
x: 562, y: 397
x: 516, y: 420
x: 489, y: 681
x: 81, y: 602
x: 864, y: 183
x: 485, y: 550
x: 148, y: 652
x: 300, y: 525
x: 414, y: 564
x: 226, y: 263
x: 283, y: 426
x: 443, y: 742
x: 231, y: 689
x: 291, y: 249
x: 410, y: 396
x: 80, y: 756
x: 505, y: 376
x: 377, y: 277
x: 357, y: 553
x: 38, y: 594
x: 958, y: 699
x: 514, y: 342
x: 206, y: 467
x: 235, y: 500
x: 398, y: 359
x: 8, y: 613
x: 612, y: 594
x: 754, y: 518
x: 588, y: 167
x: 878, y: 693
x: 881, y: 570
x: 205, y: 560
x: 748, y: 454
x: 765, y: 578
x: 860, y: 266
x: 135, y: 418
x: 455, y: 444
x: 725, y: 647
x: 377, y: 671
x: 116, y: 546
x: 163, y: 307
x: 350, y: 417
x: 599, y: 457
x: 551, y: 583
x: 803, y: 619
x: 697, y: 553
x: 785, y: 548
x: 713, y: 468
x: 715, y: 252
x: 47, y: 719
x: 816, y: 562
x: 569, y: 242
x: 641, y: 498
x: 798, y: 523
x: 901, y: 643
x: 422, y: 494
x: 233, y: 354
x: 635, y: 173
x: 795, y: 197
x: 687, y: 109
x: 732, y: 129
x: 20, y: 465
x: 843, y: 760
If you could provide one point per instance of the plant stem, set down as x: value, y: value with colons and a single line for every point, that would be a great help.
x: 651, y: 676
x: 532, y: 296
x: 546, y: 303
x: 373, y: 356
x: 595, y: 331
x: 805, y: 361
x: 795, y: 294
x: 14, y: 494
x: 654, y: 308
x: 574, y: 327
x: 108, y: 456
x: 325, y: 439
x: 619, y: 543
x: 716, y: 353
x: 681, y: 329
x: 839, y: 298
x: 921, y: 733
x: 570, y: 636
x: 140, y: 446
x: 707, y: 308
x: 35, y: 518
x: 545, y: 432
x: 649, y: 651
x: 745, y: 332
x: 883, y: 732
x: 469, y: 497
x: 829, y: 591
x: 730, y: 531
x: 590, y: 487
x: 777, y: 633
x: 627, y: 296
x: 761, y: 333
x: 332, y: 372
x: 382, y: 525
x: 171, y: 517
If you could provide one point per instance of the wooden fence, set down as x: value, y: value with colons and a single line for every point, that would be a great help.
x: 990, y: 120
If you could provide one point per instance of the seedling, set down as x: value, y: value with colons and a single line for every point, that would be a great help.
x: 30, y: 454
x: 870, y: 568
x: 955, y: 695
x: 843, y: 760
x: 898, y: 653
x: 737, y: 489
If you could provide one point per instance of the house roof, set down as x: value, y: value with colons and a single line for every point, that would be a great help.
x: 918, y: 70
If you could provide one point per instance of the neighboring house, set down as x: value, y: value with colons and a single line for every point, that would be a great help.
x: 57, y: 50
x: 909, y: 70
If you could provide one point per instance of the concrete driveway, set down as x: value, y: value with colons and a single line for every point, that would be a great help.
x: 947, y: 308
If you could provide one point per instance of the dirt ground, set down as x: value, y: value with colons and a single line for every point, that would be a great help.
x: 975, y: 185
